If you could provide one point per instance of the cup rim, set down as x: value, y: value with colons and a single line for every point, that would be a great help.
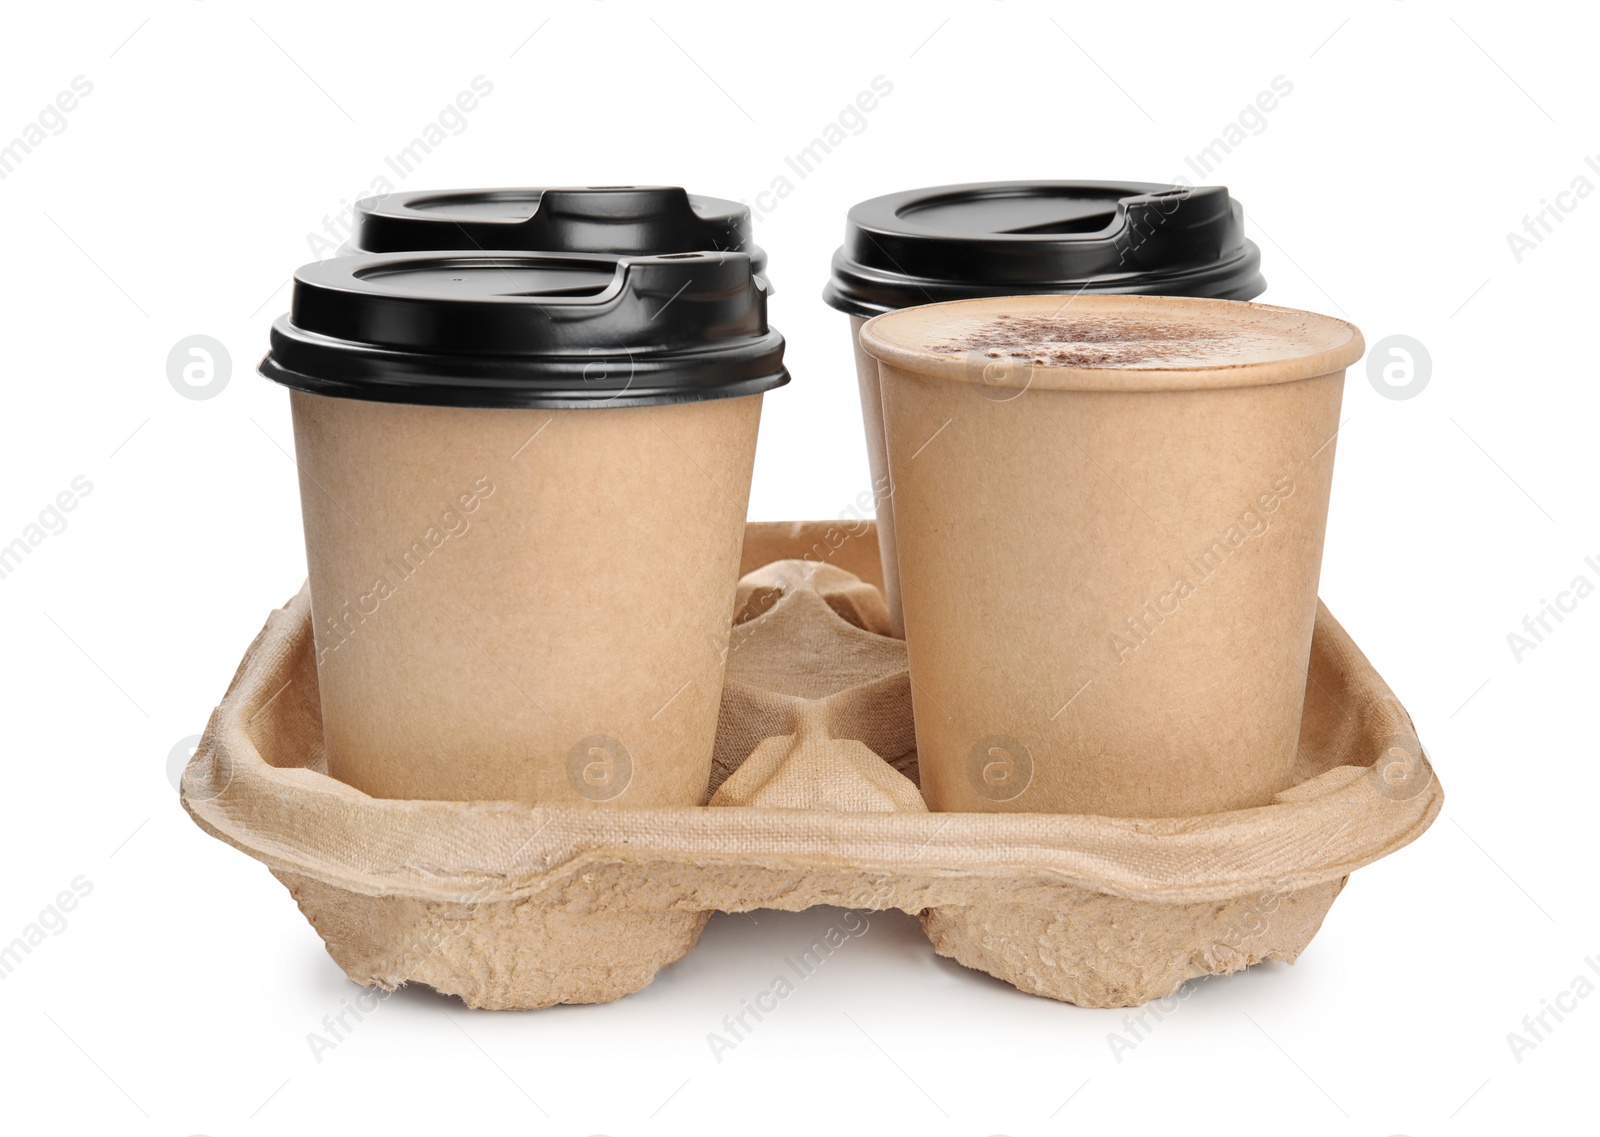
x: 1329, y: 345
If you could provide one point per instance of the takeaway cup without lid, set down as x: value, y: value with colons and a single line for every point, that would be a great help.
x: 1109, y: 576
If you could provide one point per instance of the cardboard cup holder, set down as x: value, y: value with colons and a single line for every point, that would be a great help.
x: 813, y: 800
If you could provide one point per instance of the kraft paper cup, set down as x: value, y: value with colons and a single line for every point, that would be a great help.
x: 524, y: 480
x: 523, y: 605
x: 1010, y: 238
x: 878, y: 464
x: 1109, y: 514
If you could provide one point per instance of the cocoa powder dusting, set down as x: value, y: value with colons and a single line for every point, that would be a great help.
x: 1062, y: 341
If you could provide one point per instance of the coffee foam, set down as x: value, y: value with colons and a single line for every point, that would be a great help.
x: 1073, y: 341
x: 1224, y: 340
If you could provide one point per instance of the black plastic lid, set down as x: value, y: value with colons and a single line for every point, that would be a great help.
x: 637, y: 220
x: 510, y: 329
x: 1013, y: 238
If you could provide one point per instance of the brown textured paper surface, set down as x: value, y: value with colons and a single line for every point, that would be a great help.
x: 510, y: 905
x: 528, y: 605
x: 1108, y: 575
x: 878, y: 465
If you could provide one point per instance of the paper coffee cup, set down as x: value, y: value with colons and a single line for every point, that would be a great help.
x: 1014, y: 238
x: 524, y: 481
x: 1110, y: 515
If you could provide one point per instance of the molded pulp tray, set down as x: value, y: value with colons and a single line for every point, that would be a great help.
x: 514, y: 906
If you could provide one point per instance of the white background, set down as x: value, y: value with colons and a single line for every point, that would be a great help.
x: 177, y: 201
